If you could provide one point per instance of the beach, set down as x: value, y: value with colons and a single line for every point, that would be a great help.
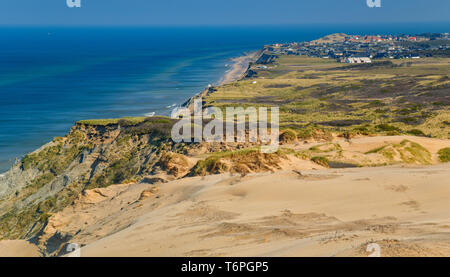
x: 239, y: 67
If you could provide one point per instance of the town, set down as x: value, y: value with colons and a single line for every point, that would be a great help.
x: 364, y: 48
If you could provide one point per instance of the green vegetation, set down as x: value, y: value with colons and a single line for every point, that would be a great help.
x: 54, y: 159
x: 416, y: 132
x: 158, y: 126
x: 130, y: 153
x: 118, y: 172
x: 112, y: 121
x: 211, y: 165
x: 406, y: 152
x: 444, y: 155
x: 387, y: 128
x: 323, y: 161
x: 320, y: 94
x: 241, y: 161
x: 288, y: 136
x: 311, y: 131
x: 327, y: 147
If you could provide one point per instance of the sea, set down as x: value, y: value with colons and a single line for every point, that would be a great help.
x: 51, y: 77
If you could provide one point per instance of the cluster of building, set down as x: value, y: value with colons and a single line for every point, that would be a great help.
x: 362, y: 49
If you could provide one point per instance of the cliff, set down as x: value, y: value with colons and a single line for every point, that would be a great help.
x: 94, y: 154
x: 97, y: 154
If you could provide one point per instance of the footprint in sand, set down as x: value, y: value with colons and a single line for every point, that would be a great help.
x: 397, y: 188
x: 412, y: 204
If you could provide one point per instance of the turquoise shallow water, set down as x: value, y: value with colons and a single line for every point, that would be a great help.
x: 51, y: 77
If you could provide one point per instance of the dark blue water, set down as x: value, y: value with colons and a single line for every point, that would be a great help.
x: 51, y: 77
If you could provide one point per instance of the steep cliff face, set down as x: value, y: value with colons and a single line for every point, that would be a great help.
x: 97, y: 154
x: 94, y: 154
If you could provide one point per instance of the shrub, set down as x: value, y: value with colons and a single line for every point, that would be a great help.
x: 416, y: 132
x: 376, y: 103
x: 444, y: 155
x: 387, y: 128
x: 361, y: 131
x: 321, y: 161
x: 211, y: 165
x: 312, y: 132
x: 157, y: 126
x: 288, y: 136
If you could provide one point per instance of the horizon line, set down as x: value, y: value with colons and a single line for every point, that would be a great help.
x: 220, y: 25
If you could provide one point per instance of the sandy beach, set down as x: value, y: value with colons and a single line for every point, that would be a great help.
x: 239, y: 68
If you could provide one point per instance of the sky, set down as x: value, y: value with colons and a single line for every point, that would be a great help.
x: 219, y: 12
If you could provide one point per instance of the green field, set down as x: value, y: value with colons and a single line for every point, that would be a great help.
x: 386, y: 97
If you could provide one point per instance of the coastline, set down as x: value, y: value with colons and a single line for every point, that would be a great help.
x: 238, y: 71
x: 250, y: 209
x: 239, y: 67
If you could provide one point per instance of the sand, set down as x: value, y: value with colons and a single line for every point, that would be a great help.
x: 320, y: 213
x: 303, y: 211
x: 239, y: 68
x: 18, y: 248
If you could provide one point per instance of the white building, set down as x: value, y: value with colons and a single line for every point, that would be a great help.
x: 358, y: 60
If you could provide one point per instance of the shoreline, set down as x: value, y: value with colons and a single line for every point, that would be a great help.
x: 239, y: 69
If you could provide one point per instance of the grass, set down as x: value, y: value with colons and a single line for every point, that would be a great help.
x: 444, y: 155
x: 327, y: 147
x: 387, y: 128
x: 323, y: 161
x: 405, y: 152
x: 288, y: 136
x: 112, y: 121
x: 390, y: 99
x: 211, y: 165
x: 241, y: 161
x: 416, y: 132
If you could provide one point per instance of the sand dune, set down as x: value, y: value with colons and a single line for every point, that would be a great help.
x: 320, y: 213
x: 18, y: 248
x: 302, y: 210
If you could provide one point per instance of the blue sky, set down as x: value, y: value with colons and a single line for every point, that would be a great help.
x: 219, y: 12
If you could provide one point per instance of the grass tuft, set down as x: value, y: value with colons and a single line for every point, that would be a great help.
x: 444, y: 155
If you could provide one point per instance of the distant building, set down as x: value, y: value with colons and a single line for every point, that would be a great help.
x: 358, y: 60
